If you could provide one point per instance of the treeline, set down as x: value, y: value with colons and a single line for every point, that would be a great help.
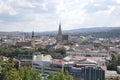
x: 8, y: 71
x: 104, y: 34
x: 14, y: 52
x: 11, y: 52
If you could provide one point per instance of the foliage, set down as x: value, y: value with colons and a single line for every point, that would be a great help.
x: 24, y: 73
x: 8, y: 71
x: 118, y: 59
x: 11, y: 52
x: 28, y: 73
x: 104, y: 34
x: 43, y: 50
x: 60, y: 76
x: 112, y: 65
x: 14, y: 52
x: 12, y: 75
x: 61, y: 51
x: 6, y: 67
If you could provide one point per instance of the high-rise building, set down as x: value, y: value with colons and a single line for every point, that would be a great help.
x: 59, y: 35
x: 86, y: 73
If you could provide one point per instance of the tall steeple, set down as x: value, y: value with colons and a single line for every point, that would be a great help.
x: 32, y: 34
x: 60, y: 31
x: 59, y: 35
x: 23, y: 36
x: 33, y: 40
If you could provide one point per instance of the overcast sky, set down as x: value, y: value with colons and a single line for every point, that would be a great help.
x: 45, y: 15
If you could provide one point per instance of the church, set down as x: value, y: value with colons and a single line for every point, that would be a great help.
x: 60, y: 37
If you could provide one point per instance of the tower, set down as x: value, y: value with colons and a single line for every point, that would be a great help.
x: 23, y: 36
x: 59, y: 35
x: 33, y: 40
x: 32, y: 34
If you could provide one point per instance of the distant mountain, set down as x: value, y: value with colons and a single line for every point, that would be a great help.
x: 74, y: 31
x: 111, y: 33
x: 82, y: 30
x: 96, y: 29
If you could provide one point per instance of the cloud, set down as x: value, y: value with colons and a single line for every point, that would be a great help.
x: 21, y: 3
x: 92, y: 8
x: 5, y: 8
x: 44, y: 15
x: 118, y: 1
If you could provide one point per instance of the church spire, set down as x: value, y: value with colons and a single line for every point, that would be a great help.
x: 23, y: 36
x: 32, y: 34
x: 59, y: 35
x: 60, y: 31
x: 33, y: 40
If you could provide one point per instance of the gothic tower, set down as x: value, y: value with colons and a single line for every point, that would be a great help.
x: 32, y: 34
x: 23, y: 36
x: 33, y: 40
x: 59, y: 35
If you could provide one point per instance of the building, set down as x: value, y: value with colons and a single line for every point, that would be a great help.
x: 86, y: 73
x: 45, y: 63
x: 86, y: 66
x: 111, y: 75
x: 59, y: 35
x: 118, y: 69
x: 33, y: 40
x: 87, y: 50
x: 25, y: 60
x: 62, y: 38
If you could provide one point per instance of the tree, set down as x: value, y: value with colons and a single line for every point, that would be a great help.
x: 118, y: 59
x: 43, y: 50
x: 12, y: 75
x: 28, y: 73
x: 60, y: 76
x: 112, y: 65
x: 6, y: 67
x: 61, y: 51
x: 8, y: 71
x: 24, y: 73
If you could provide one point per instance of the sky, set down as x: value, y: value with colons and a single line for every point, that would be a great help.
x: 45, y: 15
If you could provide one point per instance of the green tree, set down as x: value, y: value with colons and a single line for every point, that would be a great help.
x: 112, y: 65
x: 6, y: 67
x: 43, y: 50
x: 60, y: 76
x: 8, y: 71
x: 12, y: 75
x: 61, y: 51
x: 28, y: 73
x: 118, y: 59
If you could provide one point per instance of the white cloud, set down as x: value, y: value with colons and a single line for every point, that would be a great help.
x: 44, y: 5
x: 116, y: 23
x: 22, y: 3
x: 118, y: 1
x: 71, y: 14
x: 106, y: 12
x: 4, y: 8
x: 43, y: 15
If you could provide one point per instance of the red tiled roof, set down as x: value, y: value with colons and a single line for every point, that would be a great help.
x: 83, y: 47
x: 28, y: 43
x: 77, y: 58
x: 58, y: 61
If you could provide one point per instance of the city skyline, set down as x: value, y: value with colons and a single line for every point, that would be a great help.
x: 45, y: 15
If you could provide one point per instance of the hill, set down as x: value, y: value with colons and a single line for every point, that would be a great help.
x: 96, y: 29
